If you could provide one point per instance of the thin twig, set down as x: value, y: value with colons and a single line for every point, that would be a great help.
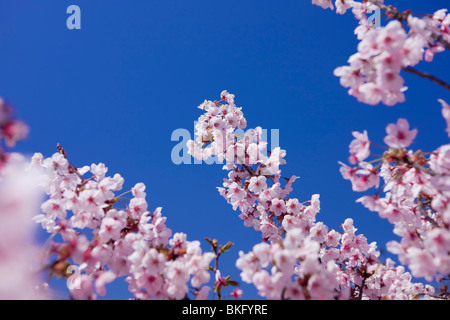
x: 391, y: 10
x: 427, y: 76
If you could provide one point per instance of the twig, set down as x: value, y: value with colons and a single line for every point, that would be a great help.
x: 391, y: 10
x: 429, y: 76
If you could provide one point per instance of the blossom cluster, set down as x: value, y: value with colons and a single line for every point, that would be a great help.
x: 11, y: 130
x: 413, y: 196
x: 373, y: 73
x: 20, y: 257
x: 19, y: 202
x: 299, y: 257
x: 108, y: 236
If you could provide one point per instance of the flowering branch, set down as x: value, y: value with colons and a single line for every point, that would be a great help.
x: 415, y: 199
x: 403, y: 16
x: 221, y: 282
x: 106, y: 242
x: 299, y: 257
x: 429, y: 76
x: 374, y: 72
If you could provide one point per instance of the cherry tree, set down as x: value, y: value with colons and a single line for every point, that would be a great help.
x: 110, y: 233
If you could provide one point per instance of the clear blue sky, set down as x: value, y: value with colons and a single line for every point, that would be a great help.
x: 115, y: 91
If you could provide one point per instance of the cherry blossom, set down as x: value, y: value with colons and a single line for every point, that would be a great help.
x: 300, y: 257
x: 359, y: 147
x: 413, y: 198
x: 19, y: 202
x: 109, y: 236
x: 399, y: 135
x: 373, y: 75
x: 106, y: 233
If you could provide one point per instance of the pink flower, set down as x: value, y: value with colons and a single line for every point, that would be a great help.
x: 422, y: 263
x: 153, y: 261
x: 284, y: 260
x: 343, y: 5
x: 359, y: 147
x: 138, y: 190
x: 236, y: 293
x: 152, y: 283
x: 111, y: 228
x: 257, y: 184
x: 99, y: 170
x: 325, y: 4
x: 278, y: 206
x: 275, y: 160
x: 6, y: 111
x: 228, y: 97
x: 293, y: 206
x: 399, y: 135
x: 431, y: 52
x: 236, y: 193
x: 369, y: 93
x: 319, y: 232
x: 333, y: 237
x: 267, y: 194
x: 104, y: 278
x: 14, y: 131
x: 53, y: 209
x: 138, y: 206
x: 263, y: 252
x: 82, y: 288
x: 392, y: 36
x: 366, y: 177
x: 203, y: 293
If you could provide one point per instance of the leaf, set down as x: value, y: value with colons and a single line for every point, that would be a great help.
x: 226, y: 247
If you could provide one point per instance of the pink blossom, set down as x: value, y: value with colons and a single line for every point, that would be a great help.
x: 278, y: 206
x: 343, y: 5
x: 267, y: 194
x: 325, y: 4
x: 319, y: 232
x: 138, y: 190
x: 202, y: 294
x: 103, y: 279
x: 111, y: 229
x: 359, y: 147
x: 82, y: 288
x: 296, y: 245
x: 257, y: 184
x: 14, y: 131
x: 293, y: 206
x: 365, y: 178
x: 399, y: 135
x: 236, y: 293
x: 421, y: 262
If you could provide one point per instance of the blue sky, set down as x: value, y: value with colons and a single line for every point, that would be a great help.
x: 114, y: 92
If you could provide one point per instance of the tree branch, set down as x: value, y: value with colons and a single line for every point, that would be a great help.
x: 427, y: 76
x: 392, y: 11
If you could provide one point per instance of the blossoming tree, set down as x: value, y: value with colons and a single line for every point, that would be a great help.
x: 108, y: 232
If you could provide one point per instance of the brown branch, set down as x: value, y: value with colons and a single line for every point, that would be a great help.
x: 391, y: 11
x: 429, y: 76
x: 441, y: 40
